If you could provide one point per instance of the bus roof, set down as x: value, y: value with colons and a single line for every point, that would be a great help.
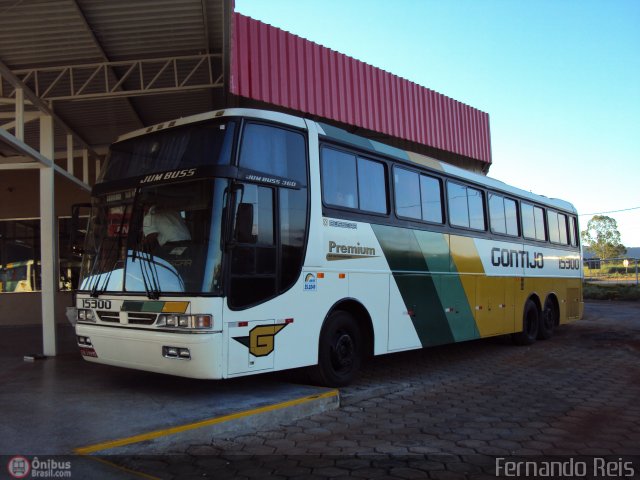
x: 342, y: 136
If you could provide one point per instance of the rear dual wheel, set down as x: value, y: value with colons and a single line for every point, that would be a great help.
x: 530, y: 325
x: 549, y: 319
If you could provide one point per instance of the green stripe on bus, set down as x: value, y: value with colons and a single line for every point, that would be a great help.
x: 435, y: 250
x: 429, y: 284
x: 416, y: 285
x: 142, y: 306
x: 132, y: 306
x: 153, y: 307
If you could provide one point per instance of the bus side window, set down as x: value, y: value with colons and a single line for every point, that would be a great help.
x: 528, y: 225
x: 572, y: 232
x: 372, y: 191
x: 511, y: 216
x: 274, y: 150
x: 533, y: 226
x: 562, y: 227
x: 431, y: 194
x: 417, y: 196
x: 458, y: 207
x: 407, y: 193
x: 496, y: 212
x: 554, y: 233
x: 466, y: 206
x: 558, y: 228
x: 339, y: 180
x: 538, y: 215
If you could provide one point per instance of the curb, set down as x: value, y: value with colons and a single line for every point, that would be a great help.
x: 175, y: 439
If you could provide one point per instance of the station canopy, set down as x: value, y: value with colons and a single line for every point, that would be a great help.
x: 104, y: 68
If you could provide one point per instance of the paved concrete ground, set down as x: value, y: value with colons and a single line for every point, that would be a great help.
x: 446, y: 412
x: 57, y: 405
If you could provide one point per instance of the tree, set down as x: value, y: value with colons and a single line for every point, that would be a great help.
x: 603, y: 238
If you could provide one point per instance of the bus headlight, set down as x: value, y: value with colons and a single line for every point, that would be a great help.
x: 200, y: 322
x: 86, y: 315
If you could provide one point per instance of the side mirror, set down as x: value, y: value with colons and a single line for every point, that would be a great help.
x: 244, y: 224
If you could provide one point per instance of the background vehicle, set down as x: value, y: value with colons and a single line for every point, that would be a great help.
x: 20, y: 276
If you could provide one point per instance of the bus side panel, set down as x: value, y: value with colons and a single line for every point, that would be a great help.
x: 436, y: 300
x: 297, y: 314
x: 495, y: 309
x: 574, y: 300
x: 402, y: 333
x: 372, y: 291
x: 534, y: 270
x: 466, y: 261
x: 352, y: 249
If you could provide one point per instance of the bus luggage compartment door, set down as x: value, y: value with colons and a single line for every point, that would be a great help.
x: 251, y: 346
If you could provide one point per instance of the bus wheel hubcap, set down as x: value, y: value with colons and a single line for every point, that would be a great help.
x: 344, y: 351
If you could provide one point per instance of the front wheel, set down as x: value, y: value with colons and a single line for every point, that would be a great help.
x: 530, y: 325
x: 340, y: 351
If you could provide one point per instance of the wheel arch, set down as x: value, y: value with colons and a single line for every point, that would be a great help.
x: 360, y: 313
x: 553, y: 297
x: 536, y: 300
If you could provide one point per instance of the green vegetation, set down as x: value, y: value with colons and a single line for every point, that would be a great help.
x: 603, y: 238
x: 621, y: 271
x: 609, y: 270
x: 593, y: 291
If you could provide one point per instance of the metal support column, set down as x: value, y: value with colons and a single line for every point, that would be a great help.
x: 19, y: 130
x: 85, y: 166
x: 48, y: 239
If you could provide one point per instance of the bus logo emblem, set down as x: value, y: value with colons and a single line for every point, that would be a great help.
x: 310, y: 284
x: 261, y: 339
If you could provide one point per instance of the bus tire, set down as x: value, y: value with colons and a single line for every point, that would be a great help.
x: 339, y: 351
x: 530, y: 325
x: 548, y: 320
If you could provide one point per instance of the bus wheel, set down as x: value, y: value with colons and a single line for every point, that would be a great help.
x: 549, y: 320
x: 340, y: 351
x: 530, y: 325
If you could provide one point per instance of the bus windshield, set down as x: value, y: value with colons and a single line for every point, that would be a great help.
x: 156, y: 239
x: 185, y: 147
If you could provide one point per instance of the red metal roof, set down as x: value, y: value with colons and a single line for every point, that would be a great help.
x: 277, y: 67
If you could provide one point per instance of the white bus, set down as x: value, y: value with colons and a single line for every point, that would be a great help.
x: 244, y: 241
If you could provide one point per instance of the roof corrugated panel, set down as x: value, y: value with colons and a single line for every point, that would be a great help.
x: 98, y: 122
x: 277, y: 67
x: 146, y: 28
x: 44, y: 33
x: 177, y: 105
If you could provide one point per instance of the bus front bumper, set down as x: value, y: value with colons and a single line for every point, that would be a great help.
x: 146, y: 350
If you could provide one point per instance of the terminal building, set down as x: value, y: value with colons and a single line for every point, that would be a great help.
x: 77, y: 74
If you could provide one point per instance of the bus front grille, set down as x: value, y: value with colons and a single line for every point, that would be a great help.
x: 135, y: 318
x: 138, y: 318
x: 108, y: 316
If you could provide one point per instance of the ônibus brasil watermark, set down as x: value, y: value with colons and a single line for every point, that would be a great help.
x: 22, y: 467
x: 596, y: 467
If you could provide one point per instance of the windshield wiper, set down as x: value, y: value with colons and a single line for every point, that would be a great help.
x: 149, y: 272
x: 96, y: 290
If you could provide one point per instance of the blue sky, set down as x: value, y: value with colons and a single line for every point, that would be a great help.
x: 560, y: 80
